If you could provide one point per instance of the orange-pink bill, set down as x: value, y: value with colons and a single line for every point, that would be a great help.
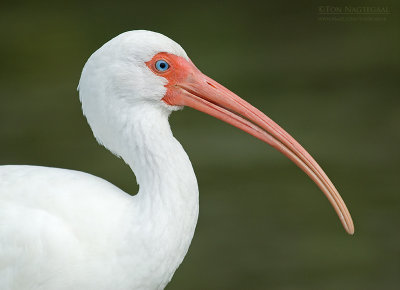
x: 187, y: 86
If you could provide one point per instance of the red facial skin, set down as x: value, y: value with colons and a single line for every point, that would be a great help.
x: 180, y: 70
x: 187, y: 86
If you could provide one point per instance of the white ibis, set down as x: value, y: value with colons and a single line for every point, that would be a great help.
x: 63, y: 229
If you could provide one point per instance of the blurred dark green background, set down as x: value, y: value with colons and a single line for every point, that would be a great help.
x: 334, y: 85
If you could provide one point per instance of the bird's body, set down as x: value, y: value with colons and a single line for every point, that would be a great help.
x: 68, y: 230
x: 64, y: 229
x: 35, y: 227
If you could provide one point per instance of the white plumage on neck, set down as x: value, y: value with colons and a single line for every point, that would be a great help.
x: 166, y: 207
x: 121, y: 100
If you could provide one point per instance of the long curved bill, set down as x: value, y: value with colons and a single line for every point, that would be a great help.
x: 200, y: 92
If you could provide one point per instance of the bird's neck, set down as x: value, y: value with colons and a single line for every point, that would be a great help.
x: 166, y: 207
x: 163, y: 170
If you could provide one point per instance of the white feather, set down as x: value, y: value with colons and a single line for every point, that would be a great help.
x: 63, y: 229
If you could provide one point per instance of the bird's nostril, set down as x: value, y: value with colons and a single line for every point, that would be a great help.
x: 211, y: 84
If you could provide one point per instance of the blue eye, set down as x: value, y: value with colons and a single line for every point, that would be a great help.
x: 162, y: 65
